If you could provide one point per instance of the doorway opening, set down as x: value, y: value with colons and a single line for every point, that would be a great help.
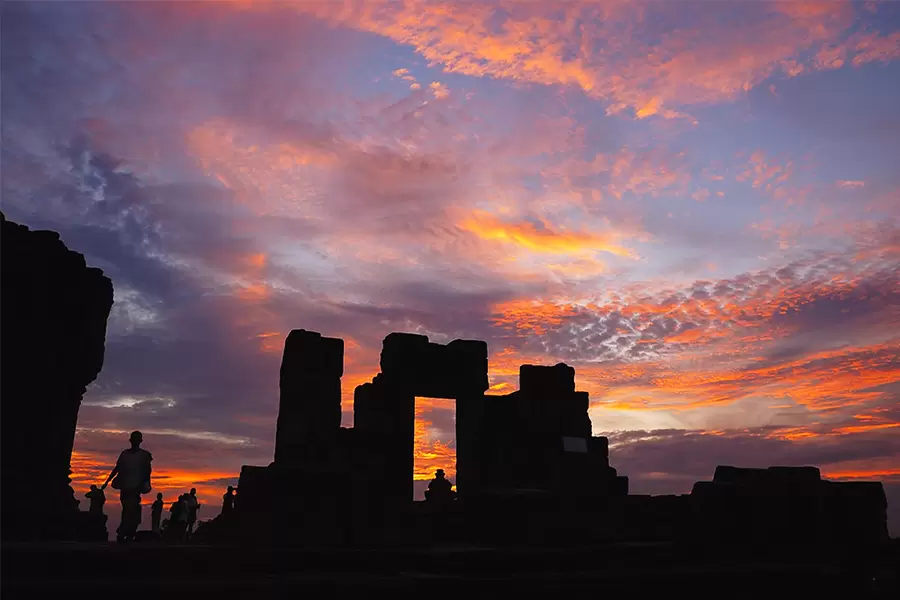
x: 434, y: 445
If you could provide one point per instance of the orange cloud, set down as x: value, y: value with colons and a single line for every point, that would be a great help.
x: 794, y: 433
x: 691, y: 336
x: 439, y: 90
x: 262, y: 176
x: 253, y: 292
x: 821, y: 381
x: 765, y: 173
x: 251, y: 286
x: 701, y: 195
x: 859, y: 49
x: 543, y: 240
x: 256, y: 261
x: 531, y: 317
x: 598, y: 47
x: 636, y: 171
x: 602, y: 48
x: 271, y: 342
x: 878, y: 474
x: 869, y: 427
x: 577, y: 268
x: 722, y: 356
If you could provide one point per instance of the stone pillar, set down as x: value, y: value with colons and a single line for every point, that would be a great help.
x: 309, y: 411
x: 469, y: 425
x: 54, y: 313
x: 469, y: 377
x: 400, y: 440
x: 404, y: 373
x: 384, y: 417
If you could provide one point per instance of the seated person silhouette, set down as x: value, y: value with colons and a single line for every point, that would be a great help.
x: 439, y: 489
x: 97, y: 498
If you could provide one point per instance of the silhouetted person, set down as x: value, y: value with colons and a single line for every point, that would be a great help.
x: 228, y: 501
x: 440, y: 488
x: 178, y: 520
x: 97, y: 498
x: 131, y: 476
x: 192, y: 505
x: 156, y: 513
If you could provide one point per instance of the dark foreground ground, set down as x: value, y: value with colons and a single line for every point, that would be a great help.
x: 153, y: 570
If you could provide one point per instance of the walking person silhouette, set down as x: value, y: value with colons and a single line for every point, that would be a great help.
x: 131, y: 476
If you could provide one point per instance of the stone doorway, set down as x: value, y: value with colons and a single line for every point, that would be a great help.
x: 434, y: 445
x: 384, y: 410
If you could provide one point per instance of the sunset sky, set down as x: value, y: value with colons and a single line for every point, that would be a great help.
x: 695, y: 204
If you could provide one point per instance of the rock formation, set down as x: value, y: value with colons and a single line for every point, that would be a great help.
x: 54, y: 311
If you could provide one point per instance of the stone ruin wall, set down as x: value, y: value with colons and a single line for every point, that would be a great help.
x: 537, y: 437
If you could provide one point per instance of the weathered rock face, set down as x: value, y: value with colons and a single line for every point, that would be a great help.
x: 54, y: 311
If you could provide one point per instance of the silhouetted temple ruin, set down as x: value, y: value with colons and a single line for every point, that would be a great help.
x: 536, y: 439
x: 528, y: 467
x: 54, y: 311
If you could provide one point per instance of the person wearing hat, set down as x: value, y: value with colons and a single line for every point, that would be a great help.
x: 131, y: 476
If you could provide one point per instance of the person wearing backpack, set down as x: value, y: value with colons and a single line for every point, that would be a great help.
x: 131, y: 476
